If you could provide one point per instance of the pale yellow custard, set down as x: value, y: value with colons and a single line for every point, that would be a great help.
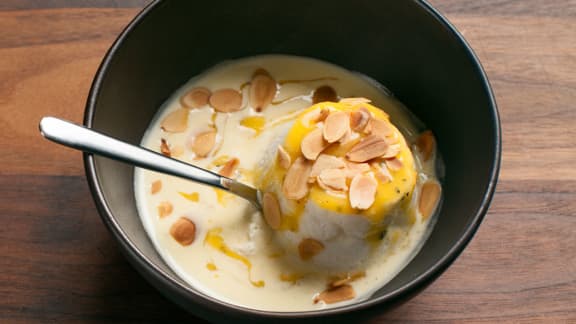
x: 327, y: 246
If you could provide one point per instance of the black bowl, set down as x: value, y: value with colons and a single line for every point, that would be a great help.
x: 405, y: 45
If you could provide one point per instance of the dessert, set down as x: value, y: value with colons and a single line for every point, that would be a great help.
x: 347, y: 174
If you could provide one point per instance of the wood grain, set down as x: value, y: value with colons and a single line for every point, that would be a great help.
x: 59, y: 264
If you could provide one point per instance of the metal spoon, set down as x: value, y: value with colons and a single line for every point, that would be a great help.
x: 90, y: 141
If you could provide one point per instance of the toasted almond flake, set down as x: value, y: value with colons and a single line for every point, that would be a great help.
x: 204, y: 143
x: 165, y: 209
x: 381, y: 172
x: 345, y: 279
x: 394, y: 164
x: 359, y: 119
x: 229, y: 168
x: 429, y: 196
x: 226, y: 100
x: 309, y: 247
x: 175, y: 122
x: 392, y: 151
x: 324, y: 93
x: 323, y: 162
x: 262, y: 90
x: 362, y: 191
x: 336, y: 125
x: 315, y: 116
x: 368, y: 148
x: 164, y: 148
x: 355, y: 100
x: 333, y: 180
x: 195, y: 98
x: 295, y: 184
x: 353, y: 168
x: 283, y: 157
x: 378, y: 127
x: 156, y: 187
x: 426, y: 143
x: 313, y: 144
x: 335, y: 295
x: 183, y: 231
x: 271, y: 210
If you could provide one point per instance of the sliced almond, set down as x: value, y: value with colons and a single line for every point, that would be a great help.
x: 164, y: 148
x: 309, y: 247
x: 429, y: 196
x: 229, y: 168
x: 392, y: 151
x: 175, y: 122
x: 368, y: 148
x: 393, y: 164
x: 324, y: 93
x: 362, y: 191
x: 355, y: 100
x: 165, y: 209
x: 345, y: 279
x: 283, y: 157
x: 226, y: 100
x: 313, y: 144
x: 336, y: 125
x: 333, y: 179
x: 271, y: 210
x: 156, y: 187
x: 353, y: 168
x: 426, y: 143
x: 381, y: 172
x: 337, y: 294
x: 295, y: 184
x: 378, y: 127
x: 359, y: 119
x: 315, y: 116
x: 204, y: 143
x: 323, y: 162
x: 262, y: 90
x: 195, y: 98
x: 183, y: 231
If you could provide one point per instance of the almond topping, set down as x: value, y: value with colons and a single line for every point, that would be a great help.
x: 359, y: 119
x: 355, y: 100
x: 429, y: 196
x: 352, y: 168
x: 324, y: 93
x: 323, y: 162
x: 378, y: 127
x: 183, y: 231
x: 262, y: 90
x: 315, y: 116
x: 426, y: 144
x: 164, y: 209
x: 156, y: 187
x: 296, y: 181
x: 345, y: 279
x: 313, y: 144
x: 164, y: 148
x: 368, y: 148
x: 394, y: 164
x: 271, y: 210
x: 195, y: 98
x: 337, y: 294
x: 175, y: 122
x: 204, y: 143
x: 226, y: 100
x: 308, y: 248
x: 392, y: 151
x: 229, y: 168
x: 283, y: 157
x: 336, y: 125
x: 382, y: 173
x: 362, y: 191
x: 333, y: 179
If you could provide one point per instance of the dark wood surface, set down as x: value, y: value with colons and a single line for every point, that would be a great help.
x: 59, y: 264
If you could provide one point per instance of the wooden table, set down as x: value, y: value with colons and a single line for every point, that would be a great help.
x: 58, y: 263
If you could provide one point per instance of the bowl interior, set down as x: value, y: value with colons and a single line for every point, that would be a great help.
x: 401, y: 44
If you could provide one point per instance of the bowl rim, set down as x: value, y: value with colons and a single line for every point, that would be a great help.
x: 214, y: 304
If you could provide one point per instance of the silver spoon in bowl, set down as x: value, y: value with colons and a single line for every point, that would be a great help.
x: 90, y: 141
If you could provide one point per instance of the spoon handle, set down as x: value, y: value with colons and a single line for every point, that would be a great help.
x: 90, y: 141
